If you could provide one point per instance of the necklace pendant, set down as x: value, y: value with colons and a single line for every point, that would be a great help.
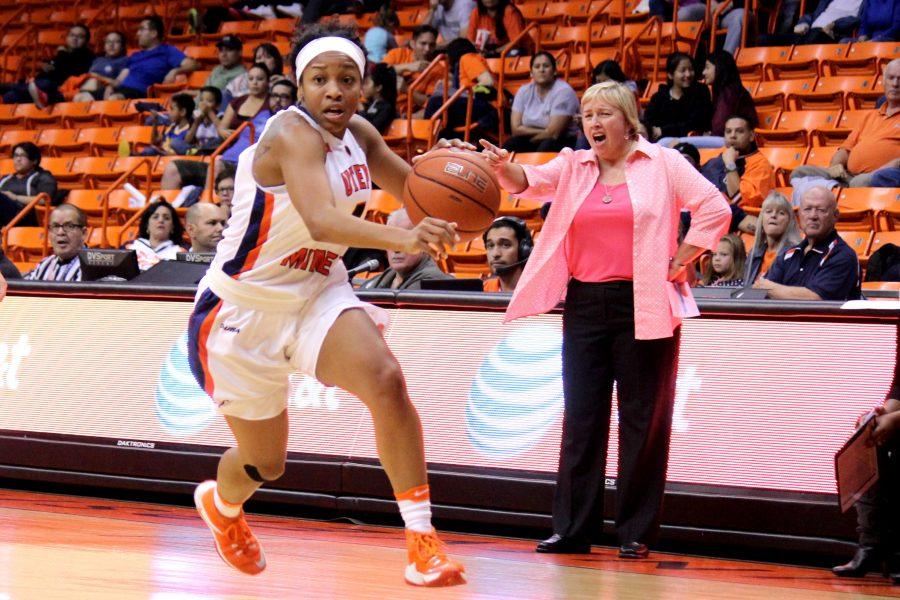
x: 607, y: 199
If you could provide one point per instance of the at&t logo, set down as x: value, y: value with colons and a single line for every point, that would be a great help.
x: 11, y: 356
x: 306, y: 392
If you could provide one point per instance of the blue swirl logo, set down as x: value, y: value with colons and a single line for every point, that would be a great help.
x: 182, y: 407
x: 516, y: 396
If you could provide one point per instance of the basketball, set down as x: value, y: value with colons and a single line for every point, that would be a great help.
x: 454, y: 186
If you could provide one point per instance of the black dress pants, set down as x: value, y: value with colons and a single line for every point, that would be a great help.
x: 599, y: 348
x: 877, y: 512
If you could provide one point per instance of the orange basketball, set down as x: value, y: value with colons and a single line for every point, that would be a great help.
x: 454, y: 186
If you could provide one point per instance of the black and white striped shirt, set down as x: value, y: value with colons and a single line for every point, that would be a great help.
x: 51, y: 269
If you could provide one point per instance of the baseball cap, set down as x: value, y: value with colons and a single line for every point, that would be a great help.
x: 231, y: 42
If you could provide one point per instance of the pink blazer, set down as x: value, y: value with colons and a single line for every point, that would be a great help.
x: 661, y: 183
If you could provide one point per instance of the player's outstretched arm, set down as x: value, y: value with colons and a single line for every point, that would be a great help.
x: 300, y: 156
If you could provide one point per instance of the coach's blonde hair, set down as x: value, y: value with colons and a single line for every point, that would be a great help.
x: 618, y: 96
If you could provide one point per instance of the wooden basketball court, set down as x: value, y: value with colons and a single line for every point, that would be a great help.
x: 56, y: 546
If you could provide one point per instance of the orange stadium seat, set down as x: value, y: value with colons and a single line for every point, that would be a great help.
x: 61, y: 142
x: 91, y: 169
x: 856, y: 220
x: 278, y: 28
x: 90, y: 202
x: 871, y: 198
x: 67, y: 114
x: 205, y: 55
x: 103, y: 140
x: 859, y: 241
x: 61, y: 169
x: 805, y: 61
x: 120, y: 206
x: 863, y: 58
x: 110, y: 112
x: 123, y: 164
x: 776, y: 94
x: 11, y: 137
x: 820, y: 156
x: 25, y: 244
x: 571, y: 37
x: 785, y: 159
x: 50, y: 39
x: 137, y: 136
x: 380, y: 205
x: 751, y: 61
x: 884, y: 237
x: 830, y: 92
x: 849, y: 120
x: 794, y: 128
x: 246, y: 30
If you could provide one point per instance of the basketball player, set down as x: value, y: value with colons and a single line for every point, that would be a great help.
x: 276, y: 300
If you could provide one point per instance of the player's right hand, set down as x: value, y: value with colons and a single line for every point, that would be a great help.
x: 495, y: 157
x: 434, y: 236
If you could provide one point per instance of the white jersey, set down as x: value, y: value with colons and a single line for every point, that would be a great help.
x: 267, y: 258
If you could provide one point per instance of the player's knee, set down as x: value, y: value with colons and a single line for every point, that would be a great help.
x: 265, y: 471
x: 388, y: 383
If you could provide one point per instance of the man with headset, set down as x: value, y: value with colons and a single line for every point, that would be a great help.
x: 508, y: 244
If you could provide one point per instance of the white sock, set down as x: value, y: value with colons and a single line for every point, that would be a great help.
x: 229, y: 510
x: 415, y: 508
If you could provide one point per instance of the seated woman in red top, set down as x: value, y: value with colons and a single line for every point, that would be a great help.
x: 493, y: 24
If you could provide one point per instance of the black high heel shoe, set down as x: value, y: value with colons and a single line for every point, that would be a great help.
x: 866, y: 559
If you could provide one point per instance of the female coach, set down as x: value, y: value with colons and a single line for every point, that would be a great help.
x: 609, y: 247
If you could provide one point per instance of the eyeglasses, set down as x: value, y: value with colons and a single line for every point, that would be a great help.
x: 283, y: 96
x: 224, y: 190
x: 19, y: 155
x: 67, y: 227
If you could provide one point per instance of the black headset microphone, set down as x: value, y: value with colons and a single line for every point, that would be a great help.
x: 523, y: 235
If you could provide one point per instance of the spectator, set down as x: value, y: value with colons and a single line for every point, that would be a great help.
x: 493, y: 24
x: 159, y: 235
x: 27, y: 181
x: 70, y: 60
x: 543, y: 110
x: 879, y: 21
x: 225, y: 190
x: 450, y: 17
x: 254, y: 107
x: 67, y: 230
x: 266, y: 54
x: 821, y: 267
x: 732, y: 19
x: 174, y: 139
x: 380, y: 92
x: 380, y: 38
x: 776, y: 229
x: 610, y: 70
x: 467, y: 67
x: 831, y: 21
x: 681, y: 106
x: 729, y: 96
x: 8, y: 270
x: 689, y: 152
x: 205, y: 223
x: 156, y: 62
x: 726, y: 267
x: 230, y: 66
x: 104, y: 69
x: 203, y: 136
x: 411, y: 60
x: 406, y: 271
x: 870, y: 157
x: 876, y: 510
x: 741, y: 172
x: 508, y: 244
x: 282, y: 94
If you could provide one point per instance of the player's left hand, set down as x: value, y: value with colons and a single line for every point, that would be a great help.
x: 442, y: 144
x: 886, y: 426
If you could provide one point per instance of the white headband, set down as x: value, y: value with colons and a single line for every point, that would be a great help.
x: 329, y: 44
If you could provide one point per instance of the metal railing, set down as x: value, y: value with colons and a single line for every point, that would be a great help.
x: 120, y: 181
x: 43, y: 200
x: 211, y: 173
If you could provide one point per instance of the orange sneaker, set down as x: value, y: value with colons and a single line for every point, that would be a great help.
x: 235, y: 543
x: 428, y: 564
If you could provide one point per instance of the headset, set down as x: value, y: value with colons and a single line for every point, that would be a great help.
x: 526, y: 242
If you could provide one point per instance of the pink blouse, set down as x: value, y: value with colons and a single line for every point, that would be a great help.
x: 660, y: 183
x: 602, y: 229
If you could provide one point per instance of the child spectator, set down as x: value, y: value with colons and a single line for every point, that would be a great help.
x: 726, y: 268
x: 172, y: 141
x: 380, y: 91
x: 203, y: 136
x: 380, y: 39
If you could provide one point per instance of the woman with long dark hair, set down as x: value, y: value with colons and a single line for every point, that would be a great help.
x: 160, y: 235
x: 729, y: 96
x: 493, y: 24
x: 380, y: 91
x: 681, y: 105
